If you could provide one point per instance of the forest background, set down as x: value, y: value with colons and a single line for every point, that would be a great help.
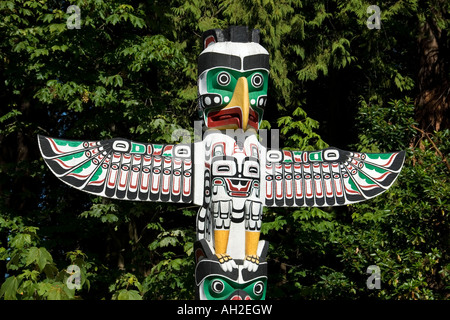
x: 130, y: 71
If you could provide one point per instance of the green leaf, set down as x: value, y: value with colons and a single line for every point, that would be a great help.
x: 10, y: 114
x: 40, y: 256
x: 129, y: 295
x: 21, y: 240
x: 59, y: 291
x: 57, y: 27
x: 113, y: 19
x: 9, y: 288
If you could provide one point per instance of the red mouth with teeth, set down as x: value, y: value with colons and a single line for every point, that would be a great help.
x: 238, y: 187
x: 231, y: 117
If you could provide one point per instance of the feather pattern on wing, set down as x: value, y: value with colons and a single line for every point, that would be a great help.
x: 328, y: 177
x: 122, y: 169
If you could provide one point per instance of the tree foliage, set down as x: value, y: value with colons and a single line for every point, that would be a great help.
x: 130, y: 71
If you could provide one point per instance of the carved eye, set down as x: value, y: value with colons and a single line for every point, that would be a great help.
x: 258, y: 288
x: 217, y: 286
x: 257, y: 80
x: 253, y: 170
x: 223, y: 78
x: 223, y: 168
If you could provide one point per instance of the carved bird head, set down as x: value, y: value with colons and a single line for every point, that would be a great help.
x: 233, y: 78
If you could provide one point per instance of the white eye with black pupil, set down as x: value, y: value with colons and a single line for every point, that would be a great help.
x: 223, y: 78
x: 257, y: 80
x: 258, y: 288
x: 217, y: 286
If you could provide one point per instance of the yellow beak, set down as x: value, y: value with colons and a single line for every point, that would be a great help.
x: 241, y: 99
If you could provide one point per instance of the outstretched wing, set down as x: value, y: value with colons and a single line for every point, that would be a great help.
x: 329, y: 177
x: 122, y: 169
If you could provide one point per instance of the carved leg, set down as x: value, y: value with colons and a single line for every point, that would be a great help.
x: 253, y: 215
x: 251, y: 242
x: 220, y: 244
x: 251, y: 245
x: 222, y: 218
x: 221, y: 241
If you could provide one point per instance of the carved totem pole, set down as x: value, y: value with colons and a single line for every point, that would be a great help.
x: 230, y: 174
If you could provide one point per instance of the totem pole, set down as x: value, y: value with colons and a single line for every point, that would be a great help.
x: 230, y: 174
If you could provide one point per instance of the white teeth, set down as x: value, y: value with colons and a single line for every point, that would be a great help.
x: 215, y: 189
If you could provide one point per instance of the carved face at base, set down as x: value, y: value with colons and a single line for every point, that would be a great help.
x: 213, y: 283
x: 223, y: 288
